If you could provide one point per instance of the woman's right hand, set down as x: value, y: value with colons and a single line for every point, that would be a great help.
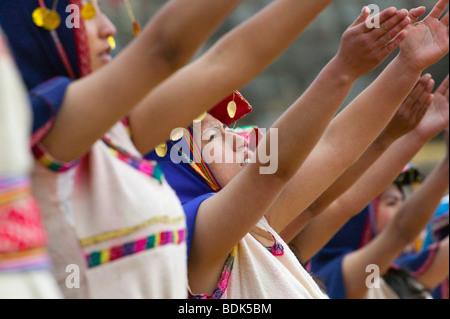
x: 364, y: 47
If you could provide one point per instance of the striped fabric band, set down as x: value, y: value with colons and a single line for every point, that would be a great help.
x: 14, y: 188
x: 224, y: 281
x: 98, y: 258
x: 43, y: 157
x: 25, y: 261
x: 199, y: 164
x: 147, y: 167
x: 129, y: 230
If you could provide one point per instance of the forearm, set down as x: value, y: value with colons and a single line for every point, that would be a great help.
x: 97, y: 102
x: 346, y: 180
x: 381, y: 174
x: 416, y: 212
x: 342, y: 184
x: 346, y: 139
x: 238, y: 50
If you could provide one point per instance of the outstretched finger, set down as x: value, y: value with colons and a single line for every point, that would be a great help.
x: 394, y: 31
x: 443, y: 88
x: 391, y: 46
x: 438, y: 9
x: 424, y: 108
x: 382, y: 17
x: 388, y: 25
x: 444, y: 20
x: 362, y: 17
x: 424, y: 96
x: 416, y: 13
x: 418, y: 90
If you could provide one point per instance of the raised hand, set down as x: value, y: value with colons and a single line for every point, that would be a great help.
x: 437, y: 117
x: 364, y: 48
x: 428, y: 40
x: 413, y: 109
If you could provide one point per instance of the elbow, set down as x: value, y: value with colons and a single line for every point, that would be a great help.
x: 403, y: 236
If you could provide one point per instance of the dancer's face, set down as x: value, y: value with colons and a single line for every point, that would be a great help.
x: 99, y: 29
x: 390, y: 202
x: 225, y: 152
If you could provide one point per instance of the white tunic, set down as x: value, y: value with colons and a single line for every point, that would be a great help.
x: 122, y: 228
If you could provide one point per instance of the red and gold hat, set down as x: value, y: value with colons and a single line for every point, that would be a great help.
x: 231, y: 109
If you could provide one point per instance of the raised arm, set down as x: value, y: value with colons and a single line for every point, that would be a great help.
x: 380, y: 175
x: 356, y: 128
x: 403, y: 228
x: 240, y: 205
x: 97, y: 102
x: 235, y: 60
x: 407, y: 118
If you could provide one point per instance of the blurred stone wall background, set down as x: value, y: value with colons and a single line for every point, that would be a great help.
x: 274, y: 90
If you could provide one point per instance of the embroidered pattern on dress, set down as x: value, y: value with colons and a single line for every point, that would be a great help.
x: 146, y: 167
x: 48, y: 161
x: 129, y: 230
x: 224, y: 281
x: 277, y: 249
x: 98, y: 258
x: 21, y: 227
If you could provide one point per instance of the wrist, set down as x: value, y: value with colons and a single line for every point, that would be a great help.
x: 408, y: 64
x: 340, y: 71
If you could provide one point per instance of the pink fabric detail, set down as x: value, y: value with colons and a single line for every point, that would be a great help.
x: 21, y: 228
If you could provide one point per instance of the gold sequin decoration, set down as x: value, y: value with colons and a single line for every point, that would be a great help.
x: 201, y: 117
x: 232, y: 109
x: 161, y: 150
x: 88, y: 11
x: 177, y: 134
x: 38, y: 16
x: 51, y: 20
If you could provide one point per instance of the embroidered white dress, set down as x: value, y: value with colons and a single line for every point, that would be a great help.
x: 113, y: 217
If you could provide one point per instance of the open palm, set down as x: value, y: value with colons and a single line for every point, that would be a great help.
x: 437, y: 118
x: 428, y: 40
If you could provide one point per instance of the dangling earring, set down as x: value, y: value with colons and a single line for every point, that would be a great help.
x: 88, y: 11
x: 136, y: 26
x: 48, y: 19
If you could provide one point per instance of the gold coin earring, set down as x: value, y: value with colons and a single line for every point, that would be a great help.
x: 46, y: 18
x: 88, y: 11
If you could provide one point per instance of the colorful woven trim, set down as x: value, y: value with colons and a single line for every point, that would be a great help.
x: 224, y: 281
x: 277, y: 249
x: 25, y: 261
x: 129, y: 230
x: 198, y: 164
x: 98, y: 258
x: 14, y: 188
x: 146, y: 167
x: 48, y: 161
